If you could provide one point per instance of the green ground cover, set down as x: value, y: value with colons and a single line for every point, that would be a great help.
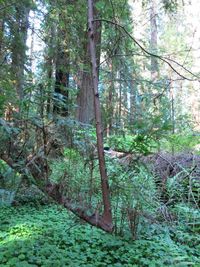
x: 51, y: 236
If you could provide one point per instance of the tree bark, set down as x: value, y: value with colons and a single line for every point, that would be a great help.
x: 50, y: 65
x: 62, y: 73
x: 85, y: 99
x: 107, y: 214
x: 133, y: 103
x: 154, y: 39
x: 62, y: 84
x: 19, y: 30
x: 1, y: 38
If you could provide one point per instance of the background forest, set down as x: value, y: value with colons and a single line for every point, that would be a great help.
x: 99, y: 133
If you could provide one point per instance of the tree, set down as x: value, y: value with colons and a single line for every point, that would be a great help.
x: 19, y: 29
x: 107, y: 214
x: 62, y: 70
x: 153, y: 39
x: 133, y: 102
x: 85, y: 99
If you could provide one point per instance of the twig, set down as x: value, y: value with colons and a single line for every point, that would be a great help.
x: 164, y: 59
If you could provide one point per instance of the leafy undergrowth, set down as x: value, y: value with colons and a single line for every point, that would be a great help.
x: 51, y: 236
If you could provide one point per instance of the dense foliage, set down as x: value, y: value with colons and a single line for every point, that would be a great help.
x: 50, y: 236
x: 99, y: 107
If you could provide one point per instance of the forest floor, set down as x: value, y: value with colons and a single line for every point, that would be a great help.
x: 36, y: 233
x: 51, y: 236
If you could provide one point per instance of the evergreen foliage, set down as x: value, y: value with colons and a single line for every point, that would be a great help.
x: 142, y: 187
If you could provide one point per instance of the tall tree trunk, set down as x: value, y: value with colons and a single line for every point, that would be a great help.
x: 62, y: 84
x: 32, y: 57
x: 120, y: 102
x: 62, y: 74
x: 107, y: 214
x: 110, y: 101
x: 1, y: 38
x: 50, y: 65
x: 49, y: 92
x: 133, y: 102
x: 19, y: 30
x: 154, y: 39
x: 85, y: 99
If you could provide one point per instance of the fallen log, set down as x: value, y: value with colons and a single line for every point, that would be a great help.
x: 34, y: 165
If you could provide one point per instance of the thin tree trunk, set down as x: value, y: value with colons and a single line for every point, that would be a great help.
x: 1, y: 38
x: 154, y: 39
x: 120, y: 102
x: 50, y: 63
x: 110, y: 102
x: 32, y: 58
x: 49, y: 92
x: 107, y: 215
x: 133, y: 103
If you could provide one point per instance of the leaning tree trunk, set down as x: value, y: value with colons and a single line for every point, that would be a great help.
x: 33, y: 163
x: 106, y: 218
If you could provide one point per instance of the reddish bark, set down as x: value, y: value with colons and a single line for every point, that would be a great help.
x: 107, y: 214
x: 85, y: 99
